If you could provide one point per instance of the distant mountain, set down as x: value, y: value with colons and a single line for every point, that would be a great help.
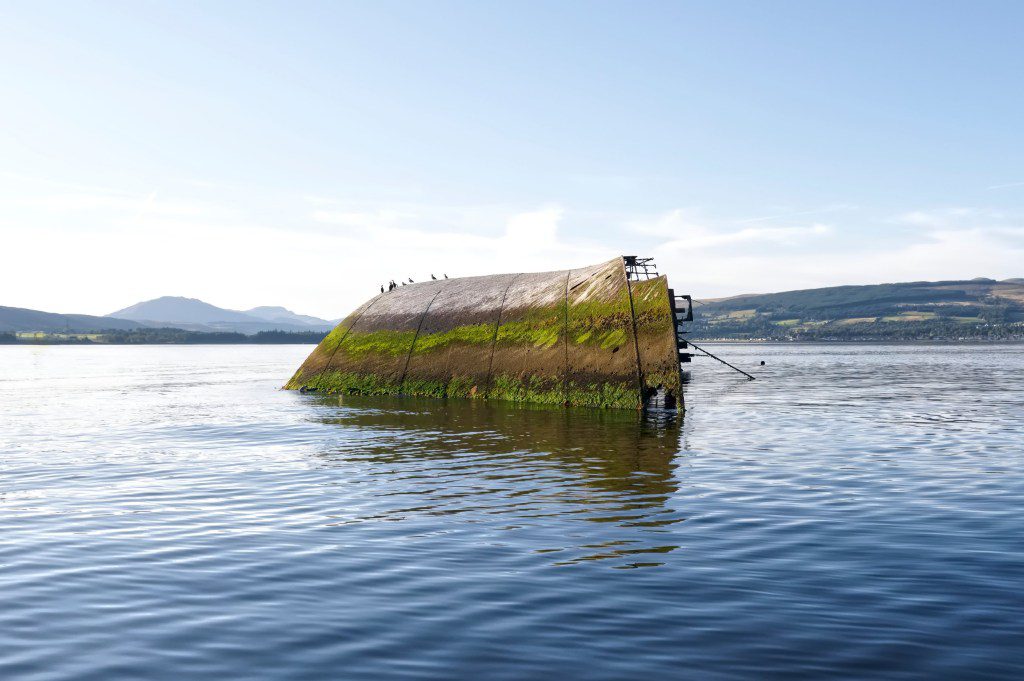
x: 18, y: 319
x: 976, y: 309
x: 280, y: 314
x: 178, y: 309
x: 196, y: 315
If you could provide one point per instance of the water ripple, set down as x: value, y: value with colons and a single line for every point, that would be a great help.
x: 168, y: 513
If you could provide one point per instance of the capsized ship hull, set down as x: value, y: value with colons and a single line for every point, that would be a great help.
x: 584, y: 337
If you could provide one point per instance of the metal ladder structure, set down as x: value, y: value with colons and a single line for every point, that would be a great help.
x: 682, y: 311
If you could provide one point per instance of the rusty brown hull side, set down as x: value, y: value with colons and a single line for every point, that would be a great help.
x: 452, y: 350
x: 586, y: 336
x: 656, y: 336
x: 601, y: 357
x: 528, y: 355
x: 308, y: 374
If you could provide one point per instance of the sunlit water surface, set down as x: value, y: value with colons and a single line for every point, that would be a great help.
x: 168, y: 513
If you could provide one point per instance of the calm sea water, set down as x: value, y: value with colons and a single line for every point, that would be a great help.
x: 167, y: 513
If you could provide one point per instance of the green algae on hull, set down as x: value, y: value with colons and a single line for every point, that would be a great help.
x: 586, y: 337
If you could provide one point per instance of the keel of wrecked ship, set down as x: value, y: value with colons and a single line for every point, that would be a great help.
x: 609, y: 335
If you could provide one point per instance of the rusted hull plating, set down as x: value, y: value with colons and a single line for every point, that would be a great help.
x: 586, y: 337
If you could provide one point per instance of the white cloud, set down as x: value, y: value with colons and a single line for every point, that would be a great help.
x: 960, y: 243
x: 945, y: 217
x: 107, y: 250
x: 701, y: 238
x: 685, y: 232
x: 1006, y: 185
x: 800, y: 213
x: 537, y: 229
x: 362, y: 220
x: 93, y: 251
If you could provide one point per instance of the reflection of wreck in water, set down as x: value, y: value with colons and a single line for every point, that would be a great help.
x: 604, y: 336
x: 571, y: 484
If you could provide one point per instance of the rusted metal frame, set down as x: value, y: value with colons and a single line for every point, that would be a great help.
x: 345, y: 335
x: 637, y: 266
x: 494, y: 339
x: 412, y: 347
x: 636, y: 344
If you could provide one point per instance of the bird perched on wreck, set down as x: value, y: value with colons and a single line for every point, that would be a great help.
x: 382, y: 289
x: 446, y: 276
x: 411, y: 281
x: 433, y: 277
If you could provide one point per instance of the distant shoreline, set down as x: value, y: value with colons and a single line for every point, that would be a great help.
x: 933, y: 341
x: 163, y: 336
x: 316, y: 341
x: 106, y: 344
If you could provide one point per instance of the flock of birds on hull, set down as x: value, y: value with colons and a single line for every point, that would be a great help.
x: 392, y: 285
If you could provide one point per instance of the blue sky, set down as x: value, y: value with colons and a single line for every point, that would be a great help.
x: 303, y: 153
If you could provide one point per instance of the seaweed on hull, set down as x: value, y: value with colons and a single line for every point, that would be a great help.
x: 600, y: 336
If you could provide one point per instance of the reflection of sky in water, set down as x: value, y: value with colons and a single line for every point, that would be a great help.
x: 167, y: 513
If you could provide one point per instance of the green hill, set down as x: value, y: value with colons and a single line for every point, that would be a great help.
x: 979, y: 309
x: 19, y: 319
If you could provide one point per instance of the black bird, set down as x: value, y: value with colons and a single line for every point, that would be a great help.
x: 446, y: 276
x: 382, y: 289
x: 403, y: 283
x: 433, y: 277
x: 411, y: 281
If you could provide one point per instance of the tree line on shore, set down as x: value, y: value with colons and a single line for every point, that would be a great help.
x: 163, y: 336
x: 874, y: 331
x: 971, y: 310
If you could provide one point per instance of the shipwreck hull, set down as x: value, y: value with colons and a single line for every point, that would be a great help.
x: 589, y: 337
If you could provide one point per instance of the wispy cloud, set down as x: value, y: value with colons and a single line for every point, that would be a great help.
x: 324, y: 256
x: 709, y: 258
x: 932, y: 217
x: 1006, y: 186
x: 412, y: 239
x: 960, y: 216
x: 684, y: 230
x: 785, y: 216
